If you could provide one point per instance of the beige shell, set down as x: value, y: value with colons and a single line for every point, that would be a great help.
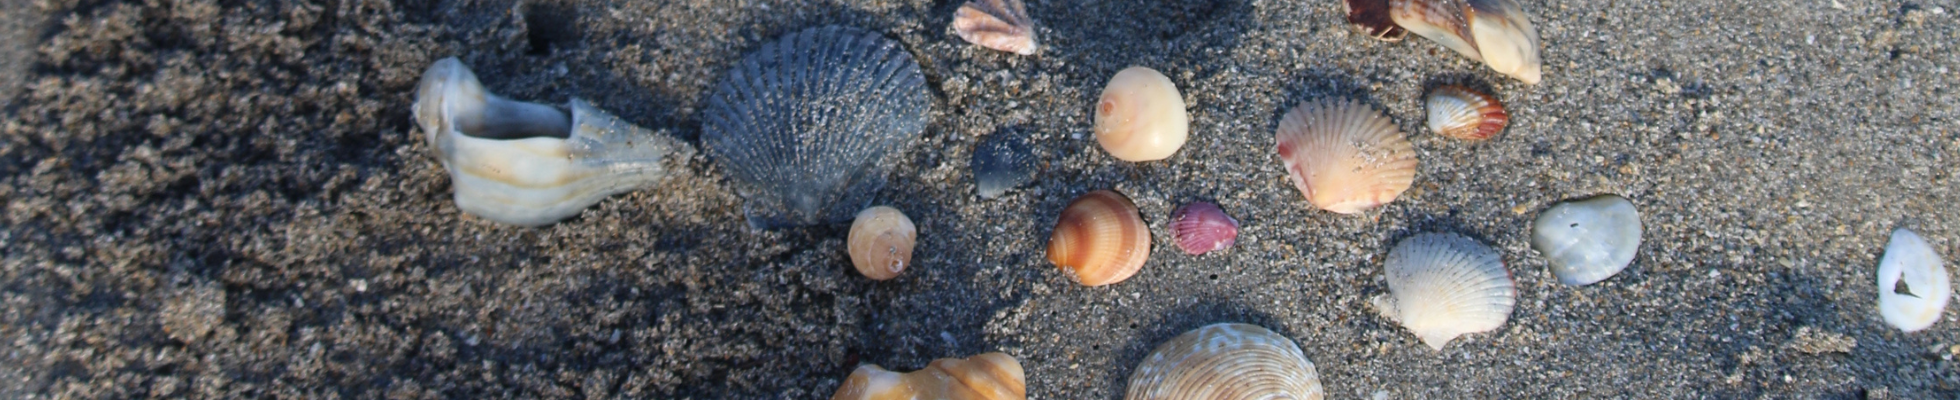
x: 1100, y: 239
x: 1465, y: 113
x: 1913, y: 286
x: 991, y: 376
x: 1496, y: 32
x: 881, y: 242
x: 1225, y: 362
x: 1141, y: 116
x: 1344, y: 156
x: 1445, y: 285
x: 996, y: 24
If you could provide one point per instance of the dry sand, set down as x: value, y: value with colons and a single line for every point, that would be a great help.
x: 212, y: 199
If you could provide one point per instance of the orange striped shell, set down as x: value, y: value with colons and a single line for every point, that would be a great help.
x: 1465, y: 113
x: 1100, y: 239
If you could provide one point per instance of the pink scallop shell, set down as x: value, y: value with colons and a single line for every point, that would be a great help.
x: 1202, y: 227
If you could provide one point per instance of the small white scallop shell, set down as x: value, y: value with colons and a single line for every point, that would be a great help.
x: 1225, y: 361
x: 1913, y: 286
x: 1445, y: 285
x: 1589, y: 240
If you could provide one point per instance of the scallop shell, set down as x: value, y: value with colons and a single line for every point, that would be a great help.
x: 1225, y: 362
x: 1465, y: 113
x: 1496, y: 32
x: 1345, y: 156
x: 996, y: 24
x: 991, y: 376
x: 1202, y: 227
x: 1913, y: 286
x: 1445, y: 285
x: 807, y: 127
x: 1372, y: 18
x: 526, y: 164
x: 1100, y: 239
x: 881, y: 242
x: 1002, y: 161
x: 1588, y: 240
x: 1141, y: 116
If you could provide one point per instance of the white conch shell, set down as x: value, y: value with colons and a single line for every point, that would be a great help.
x: 1913, y: 285
x: 1445, y: 285
x: 526, y: 164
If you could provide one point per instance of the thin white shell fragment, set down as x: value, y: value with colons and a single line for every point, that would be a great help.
x: 1913, y: 286
x: 1445, y: 285
x: 1589, y: 240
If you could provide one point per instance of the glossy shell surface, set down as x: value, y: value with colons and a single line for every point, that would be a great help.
x: 990, y: 376
x: 1100, y: 239
x: 1587, y: 240
x: 1141, y: 116
x: 1913, y: 285
x: 996, y: 24
x: 1344, y: 156
x: 1444, y: 285
x: 1496, y: 32
x: 1201, y: 227
x: 1003, y: 161
x: 1225, y: 362
x: 1465, y: 113
x: 881, y: 241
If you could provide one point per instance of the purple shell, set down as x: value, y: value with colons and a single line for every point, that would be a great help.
x: 1202, y: 227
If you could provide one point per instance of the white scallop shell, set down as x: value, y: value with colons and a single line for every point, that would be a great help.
x: 1913, y: 285
x: 1589, y: 240
x: 1344, y: 156
x: 1445, y: 285
x: 1225, y: 361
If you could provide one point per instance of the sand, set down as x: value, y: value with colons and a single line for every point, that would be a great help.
x: 213, y: 199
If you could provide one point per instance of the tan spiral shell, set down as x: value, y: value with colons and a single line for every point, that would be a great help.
x: 991, y: 376
x: 1344, y: 156
x: 1100, y: 239
x: 1465, y: 113
x: 1141, y: 117
x: 1445, y: 285
x: 881, y: 242
x: 1225, y: 362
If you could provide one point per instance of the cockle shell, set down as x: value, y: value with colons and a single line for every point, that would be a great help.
x: 1002, y: 161
x: 1445, y: 285
x: 1588, y: 240
x: 881, y: 242
x: 1344, y: 156
x: 991, y: 376
x: 1202, y: 227
x: 1913, y: 286
x: 1496, y: 32
x: 996, y: 24
x: 807, y: 127
x: 526, y: 164
x: 1141, y: 116
x: 1465, y: 113
x: 1371, y: 17
x: 1225, y: 362
x: 1100, y: 239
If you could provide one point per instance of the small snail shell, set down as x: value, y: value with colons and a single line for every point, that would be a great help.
x: 1100, y: 239
x: 1344, y: 156
x: 1445, y: 285
x: 991, y: 376
x: 1913, y: 286
x: 1141, y: 116
x: 1465, y: 113
x: 996, y: 24
x: 1225, y: 361
x: 881, y: 242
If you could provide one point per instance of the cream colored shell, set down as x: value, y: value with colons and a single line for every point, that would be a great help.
x: 881, y: 242
x: 1141, y: 116
x: 1225, y: 362
x: 1445, y: 285
x: 1913, y: 286
x: 991, y: 376
x: 1344, y: 156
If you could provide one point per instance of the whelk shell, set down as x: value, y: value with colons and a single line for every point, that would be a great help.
x: 1588, y: 240
x: 1202, y: 227
x: 1141, y: 116
x: 1100, y: 239
x: 808, y: 127
x: 1465, y: 113
x: 1913, y: 286
x: 527, y: 164
x: 991, y: 376
x: 1344, y: 156
x: 996, y: 24
x: 881, y: 242
x: 1496, y: 32
x: 1225, y: 362
x: 1446, y: 285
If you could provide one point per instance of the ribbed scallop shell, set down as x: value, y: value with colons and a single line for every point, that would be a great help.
x: 808, y: 126
x: 1913, y: 286
x: 1371, y: 17
x: 1100, y: 239
x: 1445, y: 285
x: 991, y: 376
x: 1002, y: 161
x: 1344, y: 156
x: 1141, y: 116
x: 1589, y: 240
x: 996, y: 24
x: 1202, y: 227
x: 880, y: 243
x: 1465, y: 113
x: 1225, y: 362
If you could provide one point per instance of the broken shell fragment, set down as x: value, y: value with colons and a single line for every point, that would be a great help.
x: 527, y: 164
x: 1344, y: 156
x: 1445, y: 285
x: 1202, y: 227
x: 990, y: 376
x: 1225, y: 361
x: 1371, y: 17
x: 1100, y: 239
x: 1588, y: 240
x: 1465, y: 113
x: 996, y: 24
x: 1496, y: 32
x: 881, y: 242
x: 1141, y: 116
x: 1913, y: 286
x: 1002, y: 161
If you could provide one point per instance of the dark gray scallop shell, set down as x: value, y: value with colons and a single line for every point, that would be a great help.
x: 1002, y: 161
x: 808, y: 126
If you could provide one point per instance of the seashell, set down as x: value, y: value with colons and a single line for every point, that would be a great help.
x: 1496, y: 32
x: 1372, y: 18
x: 1100, y: 239
x: 881, y: 242
x: 1445, y: 285
x: 996, y: 24
x: 524, y: 163
x: 1345, y: 156
x: 991, y: 376
x: 1202, y: 227
x: 807, y: 127
x: 1465, y: 113
x: 1588, y: 240
x: 1225, y: 361
x: 1913, y: 285
x: 1141, y: 116
x: 1003, y: 161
